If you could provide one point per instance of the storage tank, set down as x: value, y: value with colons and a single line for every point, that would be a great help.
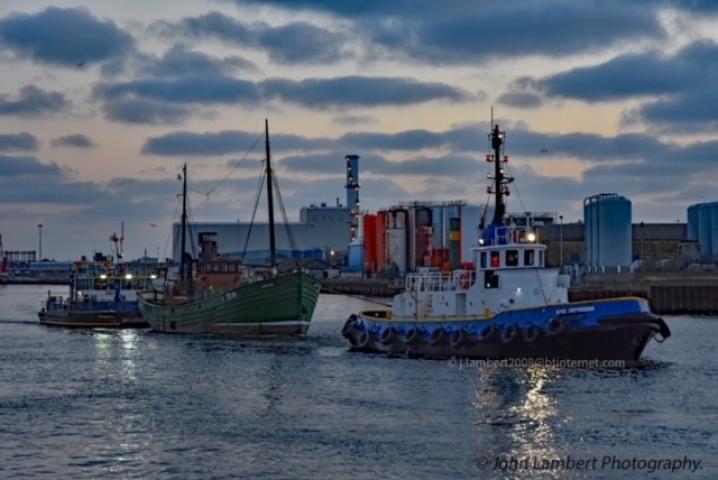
x: 356, y: 255
x: 713, y: 253
x: 370, y: 243
x: 470, y: 219
x: 422, y: 237
x: 381, y: 240
x: 692, y: 215
x: 397, y: 240
x: 705, y: 231
x: 437, y: 224
x: 455, y: 242
x: 607, y: 219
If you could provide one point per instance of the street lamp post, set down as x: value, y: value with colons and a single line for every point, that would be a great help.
x: 39, y: 235
x: 560, y: 240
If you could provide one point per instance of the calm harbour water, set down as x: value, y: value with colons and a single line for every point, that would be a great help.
x: 134, y: 404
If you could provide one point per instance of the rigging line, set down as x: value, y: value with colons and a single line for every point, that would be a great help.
x: 260, y: 187
x: 231, y: 171
x: 290, y: 233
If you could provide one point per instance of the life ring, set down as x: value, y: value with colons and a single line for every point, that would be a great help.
x: 457, y: 338
x: 509, y: 333
x: 555, y: 326
x: 465, y: 280
x: 486, y: 333
x: 438, y: 336
x: 530, y: 333
x: 411, y: 336
x: 388, y: 335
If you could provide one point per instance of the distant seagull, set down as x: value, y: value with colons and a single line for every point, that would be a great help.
x: 544, y: 150
x: 153, y: 224
x: 81, y: 64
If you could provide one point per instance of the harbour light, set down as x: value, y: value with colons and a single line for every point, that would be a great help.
x: 531, y: 237
x: 128, y: 276
x: 153, y: 276
x: 103, y: 276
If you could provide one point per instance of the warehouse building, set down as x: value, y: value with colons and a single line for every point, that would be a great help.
x: 321, y: 229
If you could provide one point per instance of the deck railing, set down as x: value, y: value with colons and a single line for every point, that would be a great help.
x: 440, y: 281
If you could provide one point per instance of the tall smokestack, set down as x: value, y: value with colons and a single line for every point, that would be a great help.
x: 352, y: 187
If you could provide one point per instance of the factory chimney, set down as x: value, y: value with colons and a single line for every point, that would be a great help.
x: 352, y: 187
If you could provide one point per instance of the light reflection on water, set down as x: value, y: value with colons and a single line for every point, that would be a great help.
x: 133, y: 404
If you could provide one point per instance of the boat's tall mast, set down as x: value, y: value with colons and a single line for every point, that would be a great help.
x: 184, y: 224
x: 270, y: 197
x: 497, y: 140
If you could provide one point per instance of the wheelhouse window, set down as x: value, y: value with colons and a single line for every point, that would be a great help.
x: 512, y: 258
x: 540, y: 258
x: 483, y: 259
x: 495, y: 260
x: 529, y: 258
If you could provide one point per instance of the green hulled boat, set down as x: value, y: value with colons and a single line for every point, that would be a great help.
x: 230, y: 298
x: 282, y: 305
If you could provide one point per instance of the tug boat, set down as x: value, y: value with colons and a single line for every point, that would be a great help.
x: 510, y: 306
x: 96, y: 300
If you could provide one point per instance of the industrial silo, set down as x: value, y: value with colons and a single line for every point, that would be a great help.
x: 693, y: 222
x: 397, y: 239
x: 607, y: 218
x: 713, y: 253
x: 705, y: 231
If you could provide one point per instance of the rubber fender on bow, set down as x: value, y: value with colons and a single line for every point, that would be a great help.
x: 411, y: 336
x: 555, y: 326
x: 366, y: 339
x: 389, y: 335
x: 530, y: 333
x: 509, y: 333
x: 458, y: 338
x: 486, y: 333
x: 349, y: 327
x: 438, y: 336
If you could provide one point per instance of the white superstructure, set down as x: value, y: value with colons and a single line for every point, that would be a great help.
x: 510, y: 274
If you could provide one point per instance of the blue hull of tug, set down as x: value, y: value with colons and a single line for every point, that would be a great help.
x: 616, y: 329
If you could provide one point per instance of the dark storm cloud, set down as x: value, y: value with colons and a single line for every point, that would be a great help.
x: 633, y: 75
x: 63, y: 36
x: 462, y: 139
x: 76, y: 140
x: 686, y: 84
x: 12, y: 166
x: 18, y: 141
x: 520, y: 100
x: 32, y: 101
x: 218, y: 88
x: 179, y: 61
x: 691, y: 111
x: 295, y: 42
x: 363, y: 91
x: 198, y: 88
x: 225, y: 142
x: 466, y: 32
x: 144, y: 111
x: 406, y: 140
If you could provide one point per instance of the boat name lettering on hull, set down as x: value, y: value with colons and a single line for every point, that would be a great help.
x: 576, y: 310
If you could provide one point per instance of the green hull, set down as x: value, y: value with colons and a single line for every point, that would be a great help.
x: 281, y: 306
